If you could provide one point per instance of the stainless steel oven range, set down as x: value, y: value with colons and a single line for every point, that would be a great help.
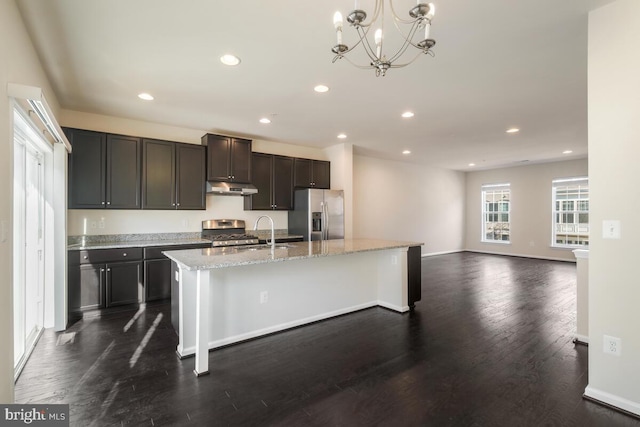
x: 227, y: 232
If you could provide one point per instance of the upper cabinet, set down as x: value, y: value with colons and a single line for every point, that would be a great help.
x: 273, y: 177
x: 104, y: 170
x: 228, y: 159
x: 173, y: 175
x: 312, y: 173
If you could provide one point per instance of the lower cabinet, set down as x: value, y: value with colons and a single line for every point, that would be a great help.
x: 123, y: 283
x: 414, y: 273
x: 157, y: 270
x: 104, y: 278
x: 157, y: 279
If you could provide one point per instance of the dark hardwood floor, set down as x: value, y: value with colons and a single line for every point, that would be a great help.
x: 490, y: 344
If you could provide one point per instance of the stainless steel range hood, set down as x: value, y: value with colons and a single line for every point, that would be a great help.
x: 230, y: 188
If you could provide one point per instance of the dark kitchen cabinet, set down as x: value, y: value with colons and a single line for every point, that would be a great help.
x: 414, y: 275
x: 228, y: 159
x: 273, y: 177
x: 104, y: 170
x: 157, y: 270
x: 312, y: 173
x: 123, y: 283
x: 103, y: 278
x: 86, y: 287
x: 173, y: 175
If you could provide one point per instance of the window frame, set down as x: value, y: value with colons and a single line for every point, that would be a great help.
x: 576, y: 213
x: 497, y: 213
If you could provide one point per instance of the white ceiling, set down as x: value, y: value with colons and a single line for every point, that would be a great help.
x: 498, y: 64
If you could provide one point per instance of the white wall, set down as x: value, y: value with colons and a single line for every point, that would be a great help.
x: 531, y: 203
x: 402, y: 201
x: 18, y: 64
x: 614, y: 150
x: 149, y: 221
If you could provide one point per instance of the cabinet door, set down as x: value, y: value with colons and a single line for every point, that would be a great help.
x: 124, y: 172
x: 86, y: 169
x: 124, y: 283
x: 302, y: 173
x: 157, y: 279
x: 321, y: 174
x: 86, y: 287
x: 190, y: 176
x: 218, y: 155
x: 261, y: 172
x: 158, y: 174
x: 241, y: 160
x: 414, y: 275
x: 282, y: 183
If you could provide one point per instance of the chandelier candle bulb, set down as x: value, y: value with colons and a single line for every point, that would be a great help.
x: 427, y: 29
x: 432, y: 12
x: 378, y: 39
x: 337, y: 22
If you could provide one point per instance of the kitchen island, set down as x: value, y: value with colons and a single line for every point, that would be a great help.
x: 227, y: 295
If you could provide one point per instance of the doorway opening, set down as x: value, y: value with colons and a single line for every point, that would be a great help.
x: 31, y: 152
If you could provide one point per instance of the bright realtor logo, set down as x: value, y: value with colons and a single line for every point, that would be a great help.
x: 34, y: 415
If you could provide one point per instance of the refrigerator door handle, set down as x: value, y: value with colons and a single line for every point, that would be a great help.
x: 326, y: 219
x: 323, y: 221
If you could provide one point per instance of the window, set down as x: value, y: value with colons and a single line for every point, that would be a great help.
x: 496, y: 213
x: 570, y: 212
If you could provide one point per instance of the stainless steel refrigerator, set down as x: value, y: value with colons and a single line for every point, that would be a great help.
x: 318, y: 214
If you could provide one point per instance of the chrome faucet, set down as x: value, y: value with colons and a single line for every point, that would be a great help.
x: 273, y: 240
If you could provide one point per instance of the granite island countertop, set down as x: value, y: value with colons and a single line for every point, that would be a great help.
x: 118, y: 241
x: 212, y: 258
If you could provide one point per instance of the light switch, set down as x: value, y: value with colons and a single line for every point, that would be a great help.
x: 610, y: 229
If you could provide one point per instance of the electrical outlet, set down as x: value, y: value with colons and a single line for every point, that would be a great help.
x: 93, y: 225
x: 612, y: 345
x: 264, y: 297
x: 394, y: 260
x: 101, y: 223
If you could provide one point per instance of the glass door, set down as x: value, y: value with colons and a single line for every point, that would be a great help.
x: 28, y: 272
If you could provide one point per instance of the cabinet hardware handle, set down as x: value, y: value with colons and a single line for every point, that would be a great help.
x: 178, y: 204
x: 108, y: 270
x: 102, y: 270
x: 173, y: 204
x: 124, y: 254
x: 108, y: 203
x: 85, y: 257
x: 103, y: 203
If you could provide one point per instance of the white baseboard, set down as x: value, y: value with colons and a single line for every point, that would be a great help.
x: 187, y: 351
x: 520, y: 255
x: 612, y: 400
x: 442, y: 253
x: 582, y: 338
x: 394, y: 307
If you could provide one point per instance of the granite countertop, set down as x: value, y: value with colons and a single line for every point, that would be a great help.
x: 117, y: 241
x: 211, y: 258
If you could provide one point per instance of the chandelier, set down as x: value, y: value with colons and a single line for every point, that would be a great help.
x: 418, y: 26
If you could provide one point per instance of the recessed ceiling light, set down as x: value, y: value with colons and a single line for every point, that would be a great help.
x: 407, y: 114
x: 265, y: 121
x: 229, y: 59
x: 145, y: 96
x: 472, y: 164
x: 342, y: 135
x: 406, y: 152
x: 567, y: 152
x: 513, y: 130
x: 321, y: 88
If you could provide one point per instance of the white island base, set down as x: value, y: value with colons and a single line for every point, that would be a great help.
x: 232, y: 302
